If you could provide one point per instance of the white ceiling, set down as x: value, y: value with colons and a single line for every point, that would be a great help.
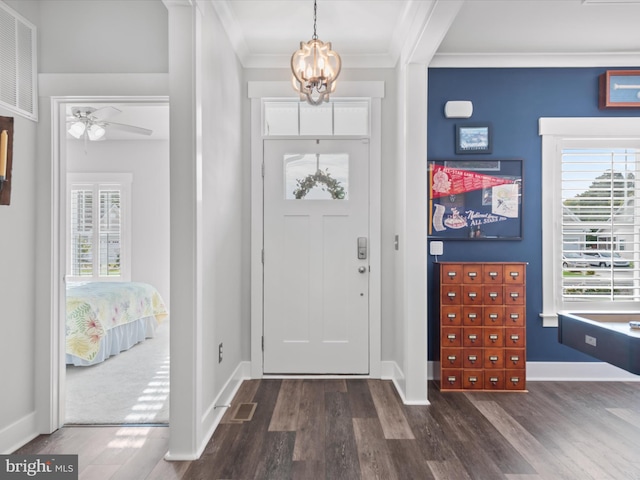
x: 373, y: 33
x: 377, y: 33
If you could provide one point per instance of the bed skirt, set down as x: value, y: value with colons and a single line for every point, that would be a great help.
x: 119, y: 339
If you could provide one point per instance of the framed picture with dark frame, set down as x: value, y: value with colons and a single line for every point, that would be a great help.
x: 475, y: 200
x: 474, y: 138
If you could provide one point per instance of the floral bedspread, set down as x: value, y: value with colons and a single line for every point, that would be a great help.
x: 96, y: 307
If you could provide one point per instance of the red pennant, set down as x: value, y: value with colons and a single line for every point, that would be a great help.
x: 452, y: 181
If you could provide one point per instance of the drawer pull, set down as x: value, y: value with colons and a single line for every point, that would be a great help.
x: 473, y: 379
x: 515, y: 380
x: 493, y: 274
x: 472, y: 316
x: 472, y: 337
x: 493, y: 295
x: 515, y: 359
x: 473, y: 294
x: 472, y: 358
x: 515, y: 338
x: 451, y: 380
x: 514, y: 295
x: 515, y: 316
x: 452, y: 358
x: 473, y: 274
x: 514, y: 274
x: 493, y: 380
x: 452, y: 337
x: 493, y: 316
x: 493, y: 337
x: 452, y: 274
x: 493, y: 358
x: 451, y: 294
x: 451, y: 315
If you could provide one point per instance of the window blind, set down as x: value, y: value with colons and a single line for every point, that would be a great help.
x: 600, y: 225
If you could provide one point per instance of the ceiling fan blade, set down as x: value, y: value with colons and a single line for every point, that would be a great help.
x: 104, y: 113
x: 129, y: 128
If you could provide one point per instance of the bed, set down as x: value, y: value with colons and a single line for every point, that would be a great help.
x: 106, y: 318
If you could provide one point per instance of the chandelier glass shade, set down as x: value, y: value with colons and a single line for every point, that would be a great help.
x: 315, y: 67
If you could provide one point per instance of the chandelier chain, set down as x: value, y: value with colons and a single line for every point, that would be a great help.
x: 315, y: 16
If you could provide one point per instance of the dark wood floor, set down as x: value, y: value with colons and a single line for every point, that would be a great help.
x: 359, y: 429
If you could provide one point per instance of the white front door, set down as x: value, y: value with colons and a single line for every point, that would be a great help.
x: 316, y: 256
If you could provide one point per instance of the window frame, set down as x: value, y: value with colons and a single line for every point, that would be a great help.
x: 558, y: 134
x: 123, y: 182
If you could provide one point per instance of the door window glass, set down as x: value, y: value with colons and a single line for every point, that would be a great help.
x: 316, y: 176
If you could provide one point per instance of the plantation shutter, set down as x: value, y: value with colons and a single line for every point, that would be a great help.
x: 96, y: 231
x: 600, y: 224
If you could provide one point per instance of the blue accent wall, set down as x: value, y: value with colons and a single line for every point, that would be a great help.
x: 512, y: 99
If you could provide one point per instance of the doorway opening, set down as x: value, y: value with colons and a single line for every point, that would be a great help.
x: 113, y: 255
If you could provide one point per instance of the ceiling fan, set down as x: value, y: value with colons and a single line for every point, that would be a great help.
x: 90, y: 123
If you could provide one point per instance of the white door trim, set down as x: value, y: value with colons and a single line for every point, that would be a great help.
x: 375, y: 279
x: 55, y: 416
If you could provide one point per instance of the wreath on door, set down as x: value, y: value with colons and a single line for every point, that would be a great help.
x: 323, y: 179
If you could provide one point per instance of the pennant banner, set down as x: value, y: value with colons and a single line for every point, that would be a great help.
x: 452, y: 181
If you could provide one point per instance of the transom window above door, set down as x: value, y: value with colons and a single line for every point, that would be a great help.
x: 337, y: 118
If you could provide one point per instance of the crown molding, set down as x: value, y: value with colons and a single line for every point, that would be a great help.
x: 534, y: 60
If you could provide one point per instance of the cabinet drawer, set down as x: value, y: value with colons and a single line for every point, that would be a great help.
x: 514, y: 273
x: 514, y: 295
x: 514, y: 316
x: 451, y: 315
x: 514, y: 337
x: 493, y: 337
x: 472, y: 337
x: 472, y: 358
x: 514, y: 358
x: 451, y: 379
x: 492, y: 274
x: 472, y: 295
x: 472, y: 316
x: 493, y: 316
x: 451, y: 358
x: 473, y: 379
x: 492, y: 295
x: 451, y: 274
x: 451, y: 337
x: 514, y: 379
x: 494, y: 380
x: 450, y: 295
x: 493, y: 358
x: 472, y: 274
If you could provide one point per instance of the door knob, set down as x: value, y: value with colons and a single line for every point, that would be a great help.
x: 362, y: 269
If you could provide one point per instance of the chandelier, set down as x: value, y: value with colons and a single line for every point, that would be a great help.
x: 315, y: 68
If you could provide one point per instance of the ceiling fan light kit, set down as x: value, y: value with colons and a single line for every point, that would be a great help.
x: 315, y: 67
x: 92, y: 124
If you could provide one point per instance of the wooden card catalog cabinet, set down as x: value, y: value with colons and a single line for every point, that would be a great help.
x: 482, y: 318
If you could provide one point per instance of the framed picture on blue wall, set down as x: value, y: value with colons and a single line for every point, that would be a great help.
x: 619, y: 88
x: 473, y: 138
x: 475, y: 200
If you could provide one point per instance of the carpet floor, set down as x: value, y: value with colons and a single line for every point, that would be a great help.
x: 129, y: 388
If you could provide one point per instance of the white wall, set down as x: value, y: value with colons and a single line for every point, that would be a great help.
x: 27, y: 227
x: 148, y: 162
x: 103, y: 36
x: 17, y: 282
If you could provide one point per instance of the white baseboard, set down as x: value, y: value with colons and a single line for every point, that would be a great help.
x: 18, y: 434
x: 565, y: 372
x: 215, y: 411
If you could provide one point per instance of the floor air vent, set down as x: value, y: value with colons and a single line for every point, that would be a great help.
x: 244, y: 412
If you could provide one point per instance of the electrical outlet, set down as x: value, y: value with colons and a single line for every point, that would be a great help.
x: 220, y: 353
